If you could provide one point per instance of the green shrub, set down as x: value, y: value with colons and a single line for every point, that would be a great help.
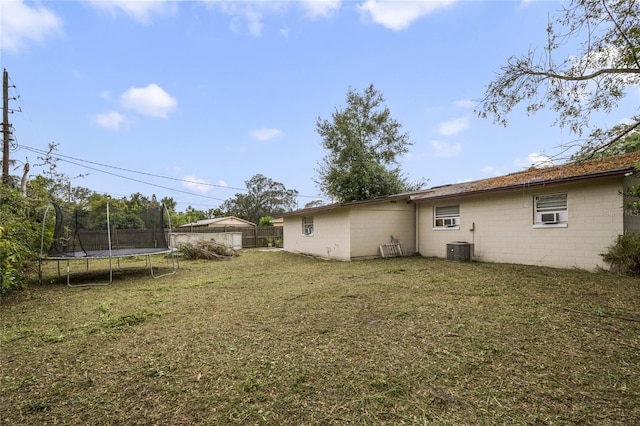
x: 20, y: 229
x: 266, y: 221
x: 624, y: 254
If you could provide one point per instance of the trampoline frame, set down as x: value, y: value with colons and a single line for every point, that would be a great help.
x: 109, y: 254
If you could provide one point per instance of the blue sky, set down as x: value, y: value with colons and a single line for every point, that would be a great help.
x: 190, y: 99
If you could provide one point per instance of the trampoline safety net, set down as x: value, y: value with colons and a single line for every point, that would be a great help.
x: 107, y: 232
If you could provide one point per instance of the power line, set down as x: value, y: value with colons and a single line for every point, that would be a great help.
x: 62, y: 157
x: 125, y: 177
x: 143, y: 182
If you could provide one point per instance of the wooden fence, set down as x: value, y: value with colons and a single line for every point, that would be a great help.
x: 259, y: 236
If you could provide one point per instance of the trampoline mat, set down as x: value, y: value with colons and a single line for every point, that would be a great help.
x: 105, y: 254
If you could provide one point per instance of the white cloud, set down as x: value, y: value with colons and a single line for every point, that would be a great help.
x: 535, y: 159
x: 222, y: 183
x: 320, y: 8
x: 151, y: 101
x: 248, y: 16
x: 110, y: 120
x: 265, y: 134
x: 445, y: 149
x: 22, y: 24
x: 465, y: 103
x: 453, y: 127
x: 253, y: 21
x: 398, y: 15
x: 140, y: 11
x: 106, y: 95
x: 196, y: 184
x: 464, y: 180
x: 491, y: 171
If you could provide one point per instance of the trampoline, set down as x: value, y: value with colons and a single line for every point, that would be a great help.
x: 85, y: 234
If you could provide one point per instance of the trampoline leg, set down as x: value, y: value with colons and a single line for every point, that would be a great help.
x: 89, y: 284
x: 173, y: 271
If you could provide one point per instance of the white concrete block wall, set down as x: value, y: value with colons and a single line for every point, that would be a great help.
x: 330, y: 239
x: 227, y: 239
x: 374, y: 224
x: 504, y: 229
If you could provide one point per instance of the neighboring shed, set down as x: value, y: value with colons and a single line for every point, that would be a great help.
x: 561, y: 216
x: 228, y: 222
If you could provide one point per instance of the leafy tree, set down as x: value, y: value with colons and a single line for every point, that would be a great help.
x: 266, y: 221
x: 59, y: 184
x: 264, y: 197
x: 595, y: 79
x: 629, y: 142
x: 169, y: 203
x: 362, y: 143
x: 213, y: 213
x: 314, y: 203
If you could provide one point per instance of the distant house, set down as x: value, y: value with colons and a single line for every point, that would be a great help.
x: 561, y: 216
x: 220, y: 223
x: 278, y: 221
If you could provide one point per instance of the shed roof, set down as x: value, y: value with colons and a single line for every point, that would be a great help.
x: 219, y: 222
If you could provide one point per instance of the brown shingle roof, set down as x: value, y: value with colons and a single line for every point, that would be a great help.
x: 609, y: 166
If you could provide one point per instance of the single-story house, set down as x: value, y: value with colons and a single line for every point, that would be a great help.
x: 227, y: 222
x: 561, y: 216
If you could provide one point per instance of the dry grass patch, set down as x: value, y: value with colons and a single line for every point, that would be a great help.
x: 275, y: 338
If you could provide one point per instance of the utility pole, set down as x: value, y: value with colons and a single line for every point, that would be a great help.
x: 6, y: 128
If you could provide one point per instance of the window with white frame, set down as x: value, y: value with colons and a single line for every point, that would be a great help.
x: 551, y: 210
x: 307, y: 225
x: 446, y: 216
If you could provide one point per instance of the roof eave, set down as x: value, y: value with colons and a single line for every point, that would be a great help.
x: 328, y: 207
x: 558, y: 181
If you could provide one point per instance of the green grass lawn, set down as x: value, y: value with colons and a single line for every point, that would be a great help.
x: 276, y: 338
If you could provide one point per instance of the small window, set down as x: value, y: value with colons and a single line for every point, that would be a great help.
x: 551, y: 210
x: 307, y: 225
x: 446, y: 217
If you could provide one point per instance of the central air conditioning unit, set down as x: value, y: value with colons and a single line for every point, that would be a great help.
x: 460, y: 251
x: 550, y: 217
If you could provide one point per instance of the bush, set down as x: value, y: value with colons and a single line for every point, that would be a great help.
x: 20, y: 229
x: 624, y: 254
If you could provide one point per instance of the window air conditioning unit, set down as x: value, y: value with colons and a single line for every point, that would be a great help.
x: 550, y: 217
x: 450, y: 221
